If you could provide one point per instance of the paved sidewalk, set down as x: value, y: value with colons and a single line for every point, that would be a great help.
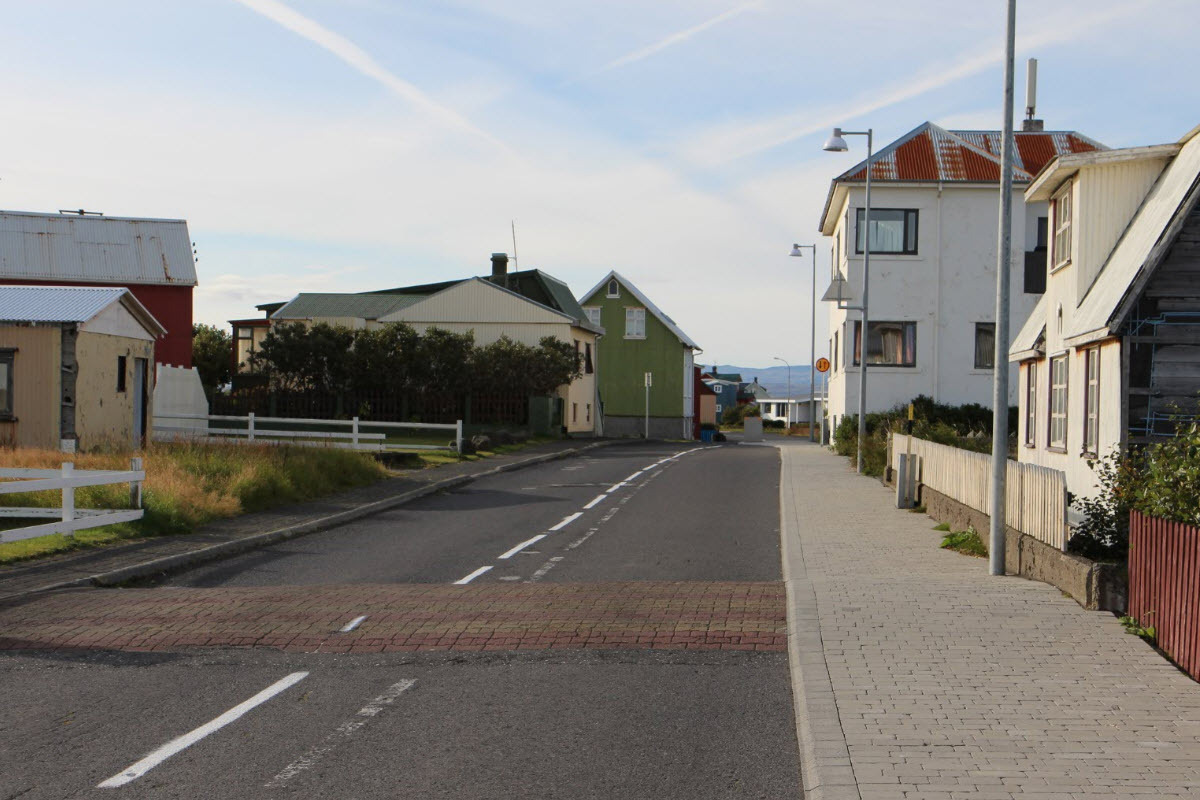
x: 918, y: 675
x: 144, y: 557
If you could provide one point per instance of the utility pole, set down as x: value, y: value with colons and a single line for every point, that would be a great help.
x: 649, y: 382
x: 996, y: 533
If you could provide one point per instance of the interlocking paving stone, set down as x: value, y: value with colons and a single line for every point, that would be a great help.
x: 411, y: 617
x: 950, y: 683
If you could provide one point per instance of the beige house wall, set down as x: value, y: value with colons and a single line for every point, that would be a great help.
x: 36, y: 382
x: 103, y: 415
x: 708, y: 409
x: 580, y: 396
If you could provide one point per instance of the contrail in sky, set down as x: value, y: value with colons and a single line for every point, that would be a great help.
x: 358, y: 59
x: 676, y: 38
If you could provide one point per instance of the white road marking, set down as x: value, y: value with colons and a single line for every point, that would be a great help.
x: 188, y: 739
x: 634, y: 475
x: 567, y: 520
x: 614, y: 487
x: 522, y: 546
x: 472, y: 576
x: 341, y: 732
x: 352, y: 624
x: 599, y: 499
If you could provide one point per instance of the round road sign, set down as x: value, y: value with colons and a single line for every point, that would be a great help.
x: 822, y: 365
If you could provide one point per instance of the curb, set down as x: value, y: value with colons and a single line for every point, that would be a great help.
x: 233, y: 547
x: 826, y: 772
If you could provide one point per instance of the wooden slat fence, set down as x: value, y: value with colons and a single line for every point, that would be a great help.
x: 1164, y: 585
x: 1036, y: 497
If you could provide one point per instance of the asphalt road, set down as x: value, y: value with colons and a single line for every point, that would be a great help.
x: 603, y: 723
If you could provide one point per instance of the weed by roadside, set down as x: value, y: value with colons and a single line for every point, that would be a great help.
x: 966, y: 542
x: 942, y: 526
x: 1135, y: 627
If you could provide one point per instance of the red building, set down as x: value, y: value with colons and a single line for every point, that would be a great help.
x: 151, y: 257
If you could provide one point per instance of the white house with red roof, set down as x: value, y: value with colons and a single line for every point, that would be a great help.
x: 935, y: 205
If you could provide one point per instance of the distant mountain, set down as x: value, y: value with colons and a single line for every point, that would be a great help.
x: 775, y: 378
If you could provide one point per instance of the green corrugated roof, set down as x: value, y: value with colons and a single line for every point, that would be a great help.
x: 359, y: 306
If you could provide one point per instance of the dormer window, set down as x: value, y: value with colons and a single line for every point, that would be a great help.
x: 1062, y: 228
x: 614, y: 288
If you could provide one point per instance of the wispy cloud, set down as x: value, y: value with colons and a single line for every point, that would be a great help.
x: 728, y: 143
x: 676, y: 38
x: 361, y: 61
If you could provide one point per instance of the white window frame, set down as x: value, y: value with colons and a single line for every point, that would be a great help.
x: 1056, y: 430
x: 1063, y: 216
x: 593, y: 314
x: 989, y: 327
x: 1031, y: 394
x: 614, y: 288
x: 1091, y: 401
x: 636, y: 316
x: 8, y: 362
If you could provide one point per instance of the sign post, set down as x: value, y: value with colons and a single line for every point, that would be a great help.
x: 822, y: 366
x: 649, y: 383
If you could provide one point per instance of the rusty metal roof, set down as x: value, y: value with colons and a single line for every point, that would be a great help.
x: 931, y: 153
x: 95, y: 249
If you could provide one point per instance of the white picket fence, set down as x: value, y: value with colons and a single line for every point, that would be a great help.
x: 340, y: 433
x: 1036, y: 497
x: 67, y: 480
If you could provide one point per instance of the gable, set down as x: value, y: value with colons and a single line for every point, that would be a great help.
x: 476, y: 301
x: 116, y: 320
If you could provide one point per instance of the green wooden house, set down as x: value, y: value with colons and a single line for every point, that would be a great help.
x: 639, y: 338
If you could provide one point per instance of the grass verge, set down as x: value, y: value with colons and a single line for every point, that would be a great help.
x: 186, y: 486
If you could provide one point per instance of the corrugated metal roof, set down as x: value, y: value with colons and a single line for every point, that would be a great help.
x: 92, y: 249
x: 358, y: 306
x: 56, y: 303
x: 655, y: 310
x: 932, y: 153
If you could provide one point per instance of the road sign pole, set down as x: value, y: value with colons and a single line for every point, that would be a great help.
x: 649, y: 382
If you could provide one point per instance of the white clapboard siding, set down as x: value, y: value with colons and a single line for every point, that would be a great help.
x: 1036, y: 496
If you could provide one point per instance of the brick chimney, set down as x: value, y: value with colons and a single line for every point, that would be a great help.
x: 499, y: 264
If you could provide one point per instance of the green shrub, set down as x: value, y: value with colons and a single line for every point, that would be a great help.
x: 966, y: 542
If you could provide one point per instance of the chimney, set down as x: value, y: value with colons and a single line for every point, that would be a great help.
x: 1031, y: 124
x: 499, y: 264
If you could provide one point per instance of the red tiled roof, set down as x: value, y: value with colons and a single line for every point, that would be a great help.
x: 931, y: 153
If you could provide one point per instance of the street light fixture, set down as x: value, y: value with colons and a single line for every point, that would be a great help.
x: 798, y: 250
x: 837, y: 144
x: 789, y: 394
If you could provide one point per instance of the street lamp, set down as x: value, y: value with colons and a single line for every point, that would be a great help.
x: 837, y: 144
x: 798, y: 250
x: 789, y: 396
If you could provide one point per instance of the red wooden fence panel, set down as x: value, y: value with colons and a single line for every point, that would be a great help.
x: 1164, y: 585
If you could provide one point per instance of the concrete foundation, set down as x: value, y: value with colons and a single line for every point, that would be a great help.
x: 1093, y: 585
x: 634, y: 427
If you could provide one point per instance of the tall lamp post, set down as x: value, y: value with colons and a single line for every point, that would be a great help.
x: 837, y: 144
x: 789, y: 396
x: 798, y: 250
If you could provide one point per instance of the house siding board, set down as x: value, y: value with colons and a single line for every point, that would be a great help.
x: 36, y: 385
x: 477, y: 301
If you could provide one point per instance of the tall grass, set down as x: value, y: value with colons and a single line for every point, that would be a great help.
x: 187, y: 485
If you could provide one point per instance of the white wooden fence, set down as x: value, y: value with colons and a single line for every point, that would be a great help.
x: 1036, y: 497
x: 69, y: 518
x: 341, y: 433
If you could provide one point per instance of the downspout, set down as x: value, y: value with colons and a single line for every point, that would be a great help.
x: 937, y: 301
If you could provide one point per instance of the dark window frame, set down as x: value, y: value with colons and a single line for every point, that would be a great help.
x: 911, y: 216
x: 122, y: 370
x: 991, y: 351
x: 907, y: 325
x: 8, y: 358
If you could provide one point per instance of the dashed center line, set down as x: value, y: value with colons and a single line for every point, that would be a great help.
x: 352, y: 624
x: 188, y: 739
x: 599, y: 499
x: 567, y: 521
x: 341, y: 732
x: 614, y: 487
x: 522, y: 546
x: 472, y: 576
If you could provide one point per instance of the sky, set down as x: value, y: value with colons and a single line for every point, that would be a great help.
x: 351, y: 145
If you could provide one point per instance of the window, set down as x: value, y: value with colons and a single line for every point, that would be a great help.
x: 588, y: 368
x: 589, y: 412
x: 985, y: 345
x: 1091, y: 411
x: 718, y: 408
x: 593, y: 315
x: 893, y: 230
x: 1035, y: 261
x: 1062, y: 228
x: 6, y: 382
x: 1031, y: 404
x: 889, y: 344
x: 1058, y: 403
x: 614, y: 288
x: 121, y: 369
x: 635, y: 323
